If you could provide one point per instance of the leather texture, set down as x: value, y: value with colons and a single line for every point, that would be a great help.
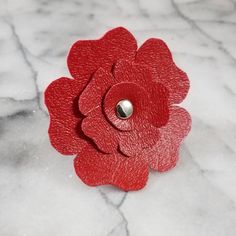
x: 61, y: 98
x: 86, y: 56
x: 83, y: 117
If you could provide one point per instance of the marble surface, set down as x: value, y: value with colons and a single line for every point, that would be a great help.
x: 39, y: 192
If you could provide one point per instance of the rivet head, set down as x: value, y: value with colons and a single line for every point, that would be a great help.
x: 124, y: 109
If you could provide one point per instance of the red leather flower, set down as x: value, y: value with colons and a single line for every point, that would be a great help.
x: 118, y: 113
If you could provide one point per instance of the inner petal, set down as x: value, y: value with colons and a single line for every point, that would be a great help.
x: 91, y: 97
x: 134, y: 101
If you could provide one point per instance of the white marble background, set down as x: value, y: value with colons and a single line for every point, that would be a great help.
x: 39, y: 192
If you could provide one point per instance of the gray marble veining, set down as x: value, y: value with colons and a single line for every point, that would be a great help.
x: 39, y: 192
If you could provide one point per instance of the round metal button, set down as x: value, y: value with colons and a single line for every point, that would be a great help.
x: 124, y: 109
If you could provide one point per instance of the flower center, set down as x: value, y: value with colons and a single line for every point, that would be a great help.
x: 124, y: 109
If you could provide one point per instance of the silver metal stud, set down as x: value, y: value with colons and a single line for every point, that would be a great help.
x: 124, y: 109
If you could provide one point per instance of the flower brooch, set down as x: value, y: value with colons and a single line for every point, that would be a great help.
x: 118, y: 113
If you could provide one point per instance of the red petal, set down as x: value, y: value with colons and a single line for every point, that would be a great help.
x: 156, y: 54
x: 138, y: 97
x: 164, y: 154
x: 157, y: 94
x: 128, y: 71
x: 100, y: 131
x: 61, y: 98
x: 158, y: 109
x: 95, y: 168
x: 132, y: 143
x: 93, y: 94
x: 86, y: 56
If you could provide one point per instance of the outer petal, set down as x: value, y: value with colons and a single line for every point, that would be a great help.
x: 85, y: 57
x: 134, y: 142
x: 164, y: 154
x: 95, y: 168
x: 93, y: 94
x: 155, y: 54
x: 61, y: 99
x: 100, y: 131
